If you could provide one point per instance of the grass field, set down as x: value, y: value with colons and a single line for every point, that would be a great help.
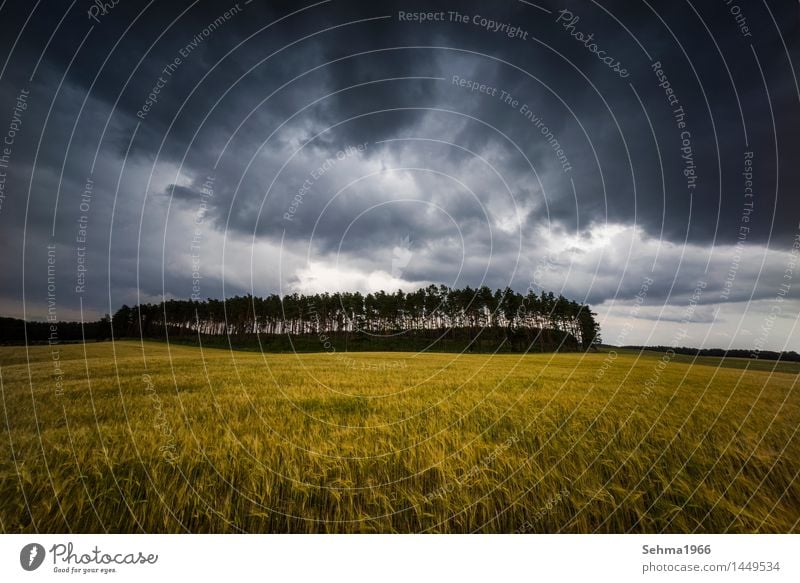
x: 162, y: 438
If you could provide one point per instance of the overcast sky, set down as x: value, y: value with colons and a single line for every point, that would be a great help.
x: 641, y: 157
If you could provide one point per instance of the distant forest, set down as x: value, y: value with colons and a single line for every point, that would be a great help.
x: 786, y: 356
x: 435, y: 318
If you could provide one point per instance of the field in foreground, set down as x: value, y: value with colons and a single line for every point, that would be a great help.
x: 162, y: 438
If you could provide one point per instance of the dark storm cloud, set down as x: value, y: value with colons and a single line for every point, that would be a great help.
x: 562, y: 76
x: 214, y: 108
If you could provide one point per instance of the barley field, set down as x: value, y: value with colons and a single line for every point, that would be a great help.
x: 130, y: 437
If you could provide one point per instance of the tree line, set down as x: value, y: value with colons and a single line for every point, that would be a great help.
x: 16, y: 331
x: 424, y: 311
x: 785, y: 355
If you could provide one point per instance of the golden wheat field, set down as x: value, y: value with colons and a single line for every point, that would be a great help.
x: 164, y: 438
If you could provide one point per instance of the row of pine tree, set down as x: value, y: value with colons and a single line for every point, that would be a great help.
x: 427, y: 309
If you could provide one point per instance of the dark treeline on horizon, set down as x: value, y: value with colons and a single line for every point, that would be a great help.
x: 16, y: 331
x: 786, y: 356
x: 421, y: 312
